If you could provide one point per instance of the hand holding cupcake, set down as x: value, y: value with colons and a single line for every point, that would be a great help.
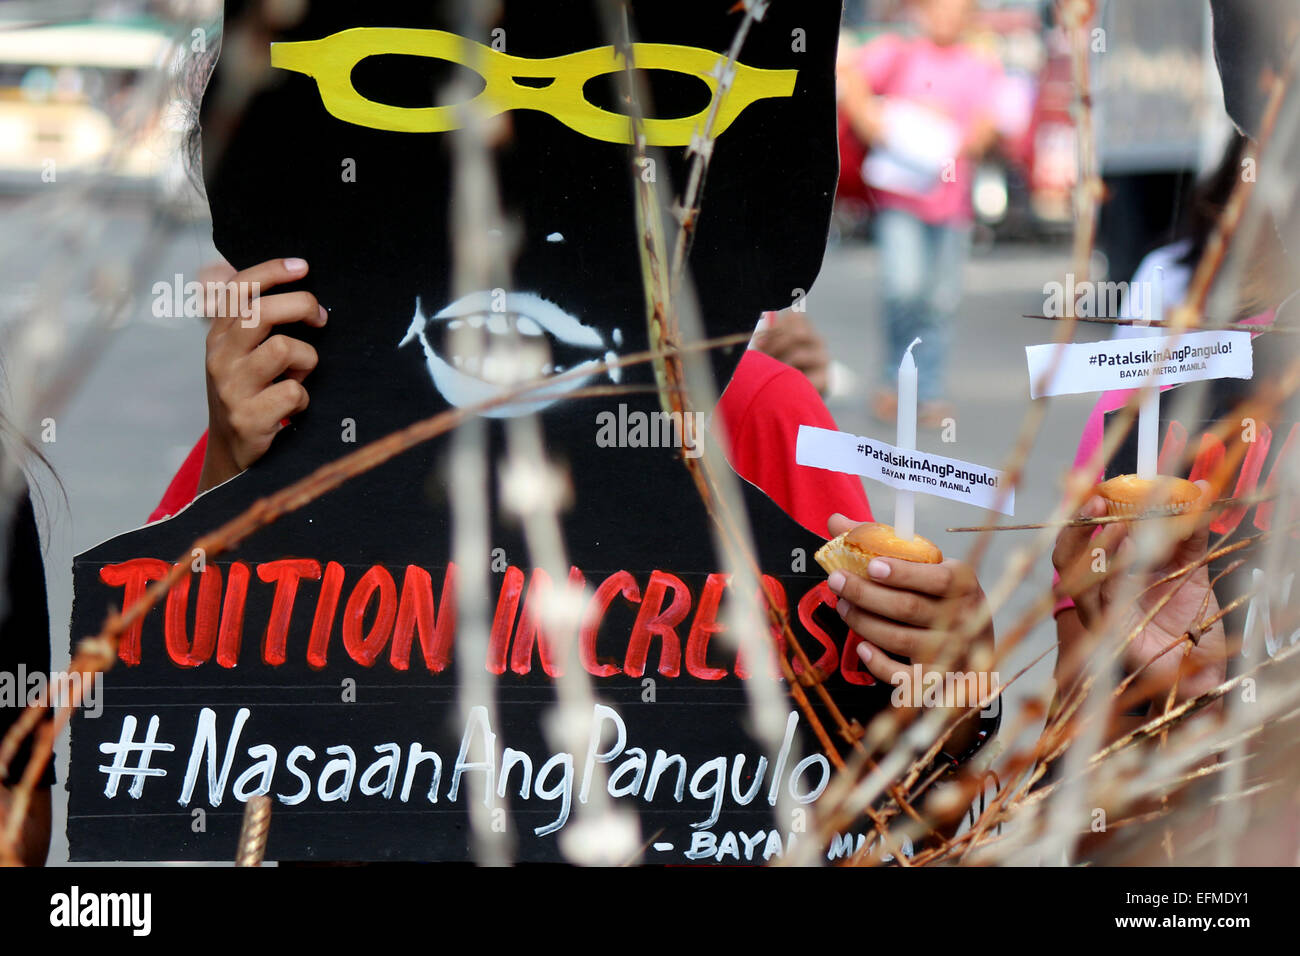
x: 1102, y: 590
x: 906, y: 601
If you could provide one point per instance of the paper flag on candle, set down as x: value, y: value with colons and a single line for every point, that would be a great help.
x: 905, y: 469
x: 1127, y: 363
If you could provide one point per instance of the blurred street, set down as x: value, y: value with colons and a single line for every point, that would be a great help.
x: 136, y: 416
x: 989, y: 387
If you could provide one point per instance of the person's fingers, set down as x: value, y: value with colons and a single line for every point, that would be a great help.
x: 286, y: 399
x: 1103, y: 556
x: 903, y: 606
x: 282, y: 309
x: 259, y: 418
x: 219, y: 271
x: 274, y: 272
x: 798, y: 322
x: 280, y: 355
x: 837, y: 524
x: 1072, y: 542
x: 773, y: 342
x: 235, y: 300
x: 1090, y: 579
x: 1196, y: 529
x: 950, y: 578
x: 791, y: 333
x: 805, y: 358
x: 918, y: 643
x: 880, y: 665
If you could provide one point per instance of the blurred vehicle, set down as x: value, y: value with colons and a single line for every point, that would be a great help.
x: 71, y: 109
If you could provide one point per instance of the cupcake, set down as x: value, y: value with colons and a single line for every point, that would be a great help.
x: 855, y: 548
x: 1129, y: 495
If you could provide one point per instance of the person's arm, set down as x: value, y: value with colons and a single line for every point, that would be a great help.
x: 861, y: 81
x: 980, y: 138
x: 255, y: 378
x: 982, y: 133
x: 862, y: 107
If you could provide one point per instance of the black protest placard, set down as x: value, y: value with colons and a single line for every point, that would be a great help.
x: 317, y: 663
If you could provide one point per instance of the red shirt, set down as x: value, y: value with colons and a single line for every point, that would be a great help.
x: 761, y: 409
x: 184, y: 486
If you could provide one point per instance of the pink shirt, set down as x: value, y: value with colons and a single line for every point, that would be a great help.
x: 955, y: 80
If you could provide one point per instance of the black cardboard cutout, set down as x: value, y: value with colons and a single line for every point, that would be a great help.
x: 377, y: 246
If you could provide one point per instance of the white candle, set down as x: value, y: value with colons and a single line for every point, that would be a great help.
x: 905, y: 501
x: 1149, y: 433
x: 1149, y: 410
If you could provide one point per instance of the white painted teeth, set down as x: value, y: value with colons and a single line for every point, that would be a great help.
x: 505, y: 369
x: 498, y: 323
x: 515, y: 352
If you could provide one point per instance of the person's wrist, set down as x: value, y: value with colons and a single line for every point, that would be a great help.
x: 219, y: 464
x: 970, y: 736
x: 963, y: 736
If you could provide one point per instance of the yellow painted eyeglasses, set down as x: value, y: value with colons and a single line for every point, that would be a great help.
x: 330, y: 61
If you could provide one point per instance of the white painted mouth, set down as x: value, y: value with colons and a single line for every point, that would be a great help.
x: 525, y: 338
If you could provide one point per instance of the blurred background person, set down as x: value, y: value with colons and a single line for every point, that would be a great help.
x: 1169, y: 267
x: 1159, y: 121
x: 924, y: 105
